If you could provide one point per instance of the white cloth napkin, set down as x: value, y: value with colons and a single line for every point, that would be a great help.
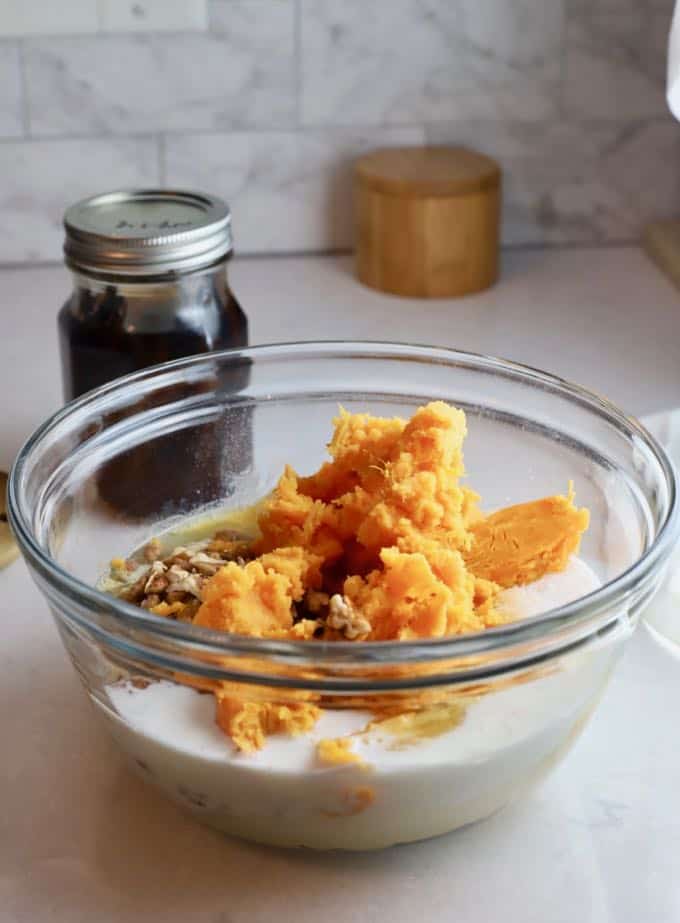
x: 673, y: 79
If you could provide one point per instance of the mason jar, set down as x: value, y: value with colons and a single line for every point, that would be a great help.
x: 150, y: 285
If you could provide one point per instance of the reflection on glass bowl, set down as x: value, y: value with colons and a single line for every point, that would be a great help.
x: 662, y: 617
x: 512, y: 699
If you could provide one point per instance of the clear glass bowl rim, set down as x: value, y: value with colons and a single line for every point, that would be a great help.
x: 193, y: 638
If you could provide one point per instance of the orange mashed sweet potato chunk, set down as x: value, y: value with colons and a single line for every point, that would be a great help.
x: 520, y: 544
x: 394, y: 544
x: 249, y: 723
x: 257, y: 599
x: 337, y: 751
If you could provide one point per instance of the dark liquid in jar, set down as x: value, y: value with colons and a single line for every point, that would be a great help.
x: 97, y: 344
x: 189, y: 467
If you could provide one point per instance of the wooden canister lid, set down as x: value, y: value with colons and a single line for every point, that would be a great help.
x: 427, y: 221
x: 427, y: 172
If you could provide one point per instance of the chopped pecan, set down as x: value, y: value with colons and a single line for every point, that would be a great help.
x: 156, y: 581
x: 206, y: 563
x: 343, y: 617
x: 152, y: 551
x: 135, y: 592
x: 172, y: 586
x: 181, y: 580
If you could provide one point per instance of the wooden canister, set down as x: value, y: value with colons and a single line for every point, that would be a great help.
x: 427, y: 221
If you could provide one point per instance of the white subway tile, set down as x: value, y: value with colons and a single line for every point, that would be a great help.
x: 288, y: 191
x: 578, y: 182
x: 47, y: 17
x: 241, y: 77
x: 152, y: 15
x: 401, y: 61
x: 39, y: 179
x: 222, y: 13
x: 11, y: 123
x: 620, y: 7
x: 616, y: 63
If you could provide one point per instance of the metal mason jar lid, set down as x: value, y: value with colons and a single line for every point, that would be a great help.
x: 147, y: 232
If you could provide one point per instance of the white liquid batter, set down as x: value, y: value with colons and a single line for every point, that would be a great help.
x: 283, y: 795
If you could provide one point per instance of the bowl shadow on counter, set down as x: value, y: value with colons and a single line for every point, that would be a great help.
x: 161, y: 858
x: 117, y: 848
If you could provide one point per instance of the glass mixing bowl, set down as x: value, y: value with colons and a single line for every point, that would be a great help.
x: 167, y: 445
x: 662, y: 617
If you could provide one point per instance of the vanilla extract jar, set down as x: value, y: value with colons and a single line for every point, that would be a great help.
x: 150, y: 285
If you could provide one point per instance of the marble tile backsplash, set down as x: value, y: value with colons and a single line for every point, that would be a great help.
x: 243, y: 77
x: 289, y: 191
x: 40, y: 178
x: 11, y: 117
x: 578, y: 182
x: 267, y: 102
x: 405, y: 61
x: 615, y: 63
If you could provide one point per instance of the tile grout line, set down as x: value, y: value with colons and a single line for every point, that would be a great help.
x: 210, y: 18
x: 23, y: 82
x: 162, y: 160
x: 100, y: 18
x: 331, y: 128
x: 562, y: 89
x: 622, y: 244
x: 297, y: 64
x: 36, y: 140
x: 101, y: 32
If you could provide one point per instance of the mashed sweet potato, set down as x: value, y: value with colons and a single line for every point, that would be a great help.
x: 387, y: 524
x: 257, y: 598
x: 382, y: 543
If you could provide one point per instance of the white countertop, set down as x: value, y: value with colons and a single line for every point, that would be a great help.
x: 81, y: 839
